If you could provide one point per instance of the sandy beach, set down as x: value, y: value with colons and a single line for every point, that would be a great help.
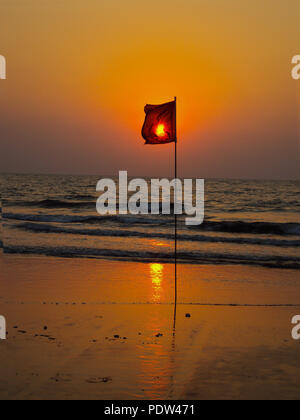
x: 77, y: 330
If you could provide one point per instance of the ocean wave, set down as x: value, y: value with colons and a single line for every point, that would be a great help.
x: 49, y: 218
x: 79, y: 197
x: 208, y: 225
x: 54, y: 218
x: 46, y: 228
x: 251, y: 227
x: 51, y: 203
x: 163, y: 257
x: 63, y: 204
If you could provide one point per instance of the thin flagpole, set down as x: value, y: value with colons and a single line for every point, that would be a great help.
x: 175, y: 196
x: 175, y: 219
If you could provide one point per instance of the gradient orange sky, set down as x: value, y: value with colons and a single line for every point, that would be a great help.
x: 80, y: 72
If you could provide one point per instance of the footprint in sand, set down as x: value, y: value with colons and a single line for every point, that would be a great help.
x: 62, y: 377
x: 95, y: 380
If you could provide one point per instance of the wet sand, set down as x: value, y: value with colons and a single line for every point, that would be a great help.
x: 78, y: 330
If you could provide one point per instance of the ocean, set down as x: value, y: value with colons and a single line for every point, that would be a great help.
x: 247, y: 222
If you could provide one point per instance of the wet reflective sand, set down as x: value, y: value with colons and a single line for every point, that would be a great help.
x: 110, y: 331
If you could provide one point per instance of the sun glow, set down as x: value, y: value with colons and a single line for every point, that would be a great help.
x: 160, y: 130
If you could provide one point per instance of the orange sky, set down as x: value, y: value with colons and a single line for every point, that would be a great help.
x: 80, y: 72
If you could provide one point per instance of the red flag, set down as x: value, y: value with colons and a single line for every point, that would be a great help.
x: 160, y: 123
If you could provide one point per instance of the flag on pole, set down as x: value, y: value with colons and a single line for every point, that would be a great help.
x: 160, y: 123
x: 160, y: 128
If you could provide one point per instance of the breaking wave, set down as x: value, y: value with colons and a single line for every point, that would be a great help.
x: 46, y: 228
x: 208, y: 225
x: 128, y: 219
x: 164, y: 257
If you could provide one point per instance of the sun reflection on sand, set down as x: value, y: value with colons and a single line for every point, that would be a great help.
x: 156, y: 364
x: 156, y: 273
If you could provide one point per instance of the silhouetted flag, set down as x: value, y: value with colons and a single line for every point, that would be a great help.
x: 160, y: 123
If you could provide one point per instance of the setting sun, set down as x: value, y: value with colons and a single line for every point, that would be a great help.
x: 160, y: 130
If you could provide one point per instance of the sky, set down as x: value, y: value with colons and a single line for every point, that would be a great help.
x: 79, y: 74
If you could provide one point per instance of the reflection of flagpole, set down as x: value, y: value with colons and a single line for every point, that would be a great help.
x: 175, y: 197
